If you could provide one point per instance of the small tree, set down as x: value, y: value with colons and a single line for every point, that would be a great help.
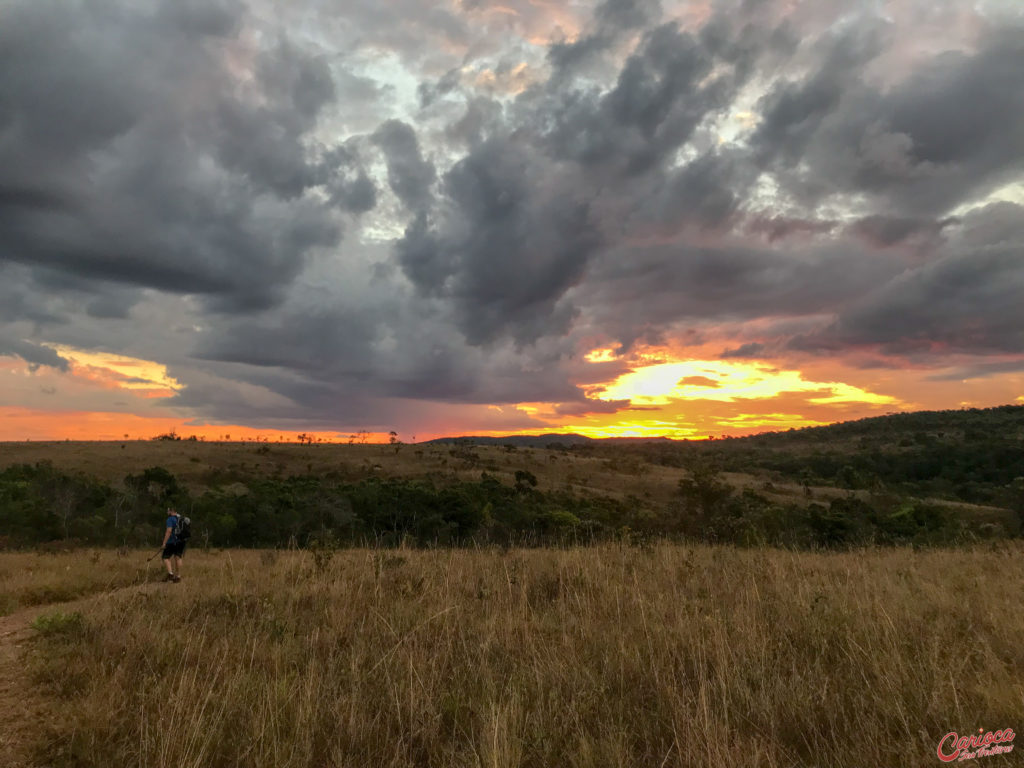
x: 394, y: 442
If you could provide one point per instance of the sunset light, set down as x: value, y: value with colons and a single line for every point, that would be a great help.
x: 143, y: 377
x: 726, y: 382
x: 681, y: 219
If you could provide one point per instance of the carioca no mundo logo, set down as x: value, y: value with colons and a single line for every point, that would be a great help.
x: 955, y: 747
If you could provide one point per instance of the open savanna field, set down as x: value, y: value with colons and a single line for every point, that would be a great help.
x: 615, y: 655
x: 204, y: 464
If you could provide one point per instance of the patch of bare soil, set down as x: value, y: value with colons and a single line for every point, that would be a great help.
x: 22, y: 709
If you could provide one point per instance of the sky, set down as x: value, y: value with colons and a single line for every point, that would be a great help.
x: 255, y: 218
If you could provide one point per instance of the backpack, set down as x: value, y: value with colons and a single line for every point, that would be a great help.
x: 183, y: 528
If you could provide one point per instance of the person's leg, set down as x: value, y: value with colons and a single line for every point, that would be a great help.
x: 167, y: 563
x: 179, y: 552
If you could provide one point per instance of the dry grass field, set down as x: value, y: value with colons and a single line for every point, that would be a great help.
x: 608, y: 656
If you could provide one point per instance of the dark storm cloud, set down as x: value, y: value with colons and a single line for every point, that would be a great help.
x: 781, y: 227
x: 703, y: 195
x: 517, y: 224
x: 979, y: 371
x: 35, y: 355
x: 659, y: 98
x: 111, y: 307
x: 130, y: 151
x: 792, y: 113
x: 953, y: 128
x: 967, y: 300
x: 512, y: 235
x: 613, y: 19
x: 732, y: 281
x: 342, y: 354
x: 480, y: 120
x: 750, y: 349
x: 882, y: 231
x: 430, y: 92
x: 409, y: 175
x: 590, y: 407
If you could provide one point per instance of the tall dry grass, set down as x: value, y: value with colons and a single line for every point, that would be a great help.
x: 663, y: 656
x: 38, y: 578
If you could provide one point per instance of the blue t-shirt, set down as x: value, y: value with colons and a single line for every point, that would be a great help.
x: 172, y: 523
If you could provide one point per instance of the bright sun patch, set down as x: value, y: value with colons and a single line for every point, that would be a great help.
x: 724, y: 382
x: 603, y: 355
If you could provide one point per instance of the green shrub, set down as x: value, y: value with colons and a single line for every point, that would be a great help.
x: 59, y: 624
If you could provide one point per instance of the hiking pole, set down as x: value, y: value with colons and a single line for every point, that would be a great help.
x: 155, y: 554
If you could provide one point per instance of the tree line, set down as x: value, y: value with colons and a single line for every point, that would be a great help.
x: 39, y: 503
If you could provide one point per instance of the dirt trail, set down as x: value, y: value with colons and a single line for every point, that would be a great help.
x: 21, y: 707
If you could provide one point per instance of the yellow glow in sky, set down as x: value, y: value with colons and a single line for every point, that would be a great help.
x: 125, y: 372
x: 724, y: 381
x: 603, y: 355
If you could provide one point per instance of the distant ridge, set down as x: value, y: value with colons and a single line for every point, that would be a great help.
x: 1002, y: 420
x: 542, y: 441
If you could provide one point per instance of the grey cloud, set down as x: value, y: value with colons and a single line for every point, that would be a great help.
x: 750, y: 349
x: 881, y: 230
x: 999, y: 223
x: 516, y: 226
x: 34, y: 354
x: 409, y: 175
x: 775, y: 228
x: 215, y: 18
x: 952, y: 129
x: 702, y: 195
x: 429, y: 92
x: 792, y: 112
x: 357, y: 195
x: 480, y: 120
x: 47, y: 297
x: 967, y: 300
x: 979, y: 371
x: 112, y: 305
x: 340, y: 349
x: 612, y: 20
x: 730, y: 281
x: 512, y: 236
x: 590, y: 407
x: 131, y: 152
x: 657, y: 101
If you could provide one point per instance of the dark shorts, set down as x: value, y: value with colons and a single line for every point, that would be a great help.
x: 177, y: 549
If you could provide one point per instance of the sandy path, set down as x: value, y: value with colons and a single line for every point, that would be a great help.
x: 21, y: 706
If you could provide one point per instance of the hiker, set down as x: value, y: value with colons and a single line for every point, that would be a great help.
x: 174, y: 546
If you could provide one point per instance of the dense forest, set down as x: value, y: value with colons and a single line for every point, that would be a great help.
x: 894, y: 471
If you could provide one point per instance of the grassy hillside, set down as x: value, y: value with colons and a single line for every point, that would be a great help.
x: 627, y: 656
x: 972, y: 455
x: 965, y: 424
x: 922, y: 478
